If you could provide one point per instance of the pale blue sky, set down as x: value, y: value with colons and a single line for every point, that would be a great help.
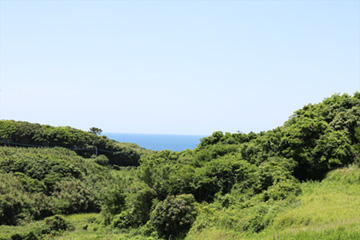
x: 174, y: 67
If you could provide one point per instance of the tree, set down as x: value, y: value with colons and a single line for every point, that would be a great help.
x: 95, y: 130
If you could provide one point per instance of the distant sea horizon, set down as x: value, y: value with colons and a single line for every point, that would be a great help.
x: 158, y: 142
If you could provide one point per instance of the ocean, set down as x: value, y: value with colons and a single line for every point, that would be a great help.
x: 158, y: 142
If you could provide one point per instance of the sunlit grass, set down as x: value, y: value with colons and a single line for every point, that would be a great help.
x: 7, y: 231
x: 327, y: 210
x: 88, y: 226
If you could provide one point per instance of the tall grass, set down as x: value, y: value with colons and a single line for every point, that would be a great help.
x: 328, y: 210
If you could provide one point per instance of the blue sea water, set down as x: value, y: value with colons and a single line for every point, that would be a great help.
x: 158, y: 142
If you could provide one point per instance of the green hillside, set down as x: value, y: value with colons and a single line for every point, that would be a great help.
x: 298, y: 181
x: 327, y: 209
x: 86, y: 144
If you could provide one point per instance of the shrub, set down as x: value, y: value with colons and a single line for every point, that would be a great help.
x: 174, y: 216
x: 123, y: 220
x: 73, y: 197
x: 55, y: 224
x: 24, y: 236
x: 10, y: 208
x: 102, y: 160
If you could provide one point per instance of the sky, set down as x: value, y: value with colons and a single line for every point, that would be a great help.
x: 174, y: 67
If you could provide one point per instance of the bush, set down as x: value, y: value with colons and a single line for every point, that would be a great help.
x: 10, y: 208
x: 24, y: 236
x: 38, y: 182
x: 55, y: 225
x: 73, y: 197
x: 14, y: 201
x: 174, y: 216
x: 102, y: 160
x: 123, y: 220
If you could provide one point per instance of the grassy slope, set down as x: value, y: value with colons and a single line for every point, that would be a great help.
x: 326, y: 210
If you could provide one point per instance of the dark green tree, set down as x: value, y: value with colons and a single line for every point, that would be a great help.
x: 95, y: 130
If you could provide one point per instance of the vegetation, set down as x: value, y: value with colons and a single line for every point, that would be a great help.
x: 324, y: 210
x: 298, y: 181
x: 37, y: 183
x: 86, y: 144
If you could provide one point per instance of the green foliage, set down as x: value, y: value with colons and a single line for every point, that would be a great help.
x: 36, y: 183
x: 7, y: 128
x: 74, y: 196
x: 55, y: 224
x: 128, y: 201
x: 213, y: 139
x: 27, y: 236
x: 101, y: 160
x: 139, y: 202
x: 46, y: 229
x: 174, y: 216
x: 220, y: 175
x: 95, y: 130
x: 227, y: 138
x: 357, y: 134
x: 274, y: 178
x: 316, y: 147
x: 14, y: 201
x: 30, y: 184
x: 232, y: 186
x: 325, y: 210
x: 155, y: 171
x: 29, y: 134
x: 114, y: 197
